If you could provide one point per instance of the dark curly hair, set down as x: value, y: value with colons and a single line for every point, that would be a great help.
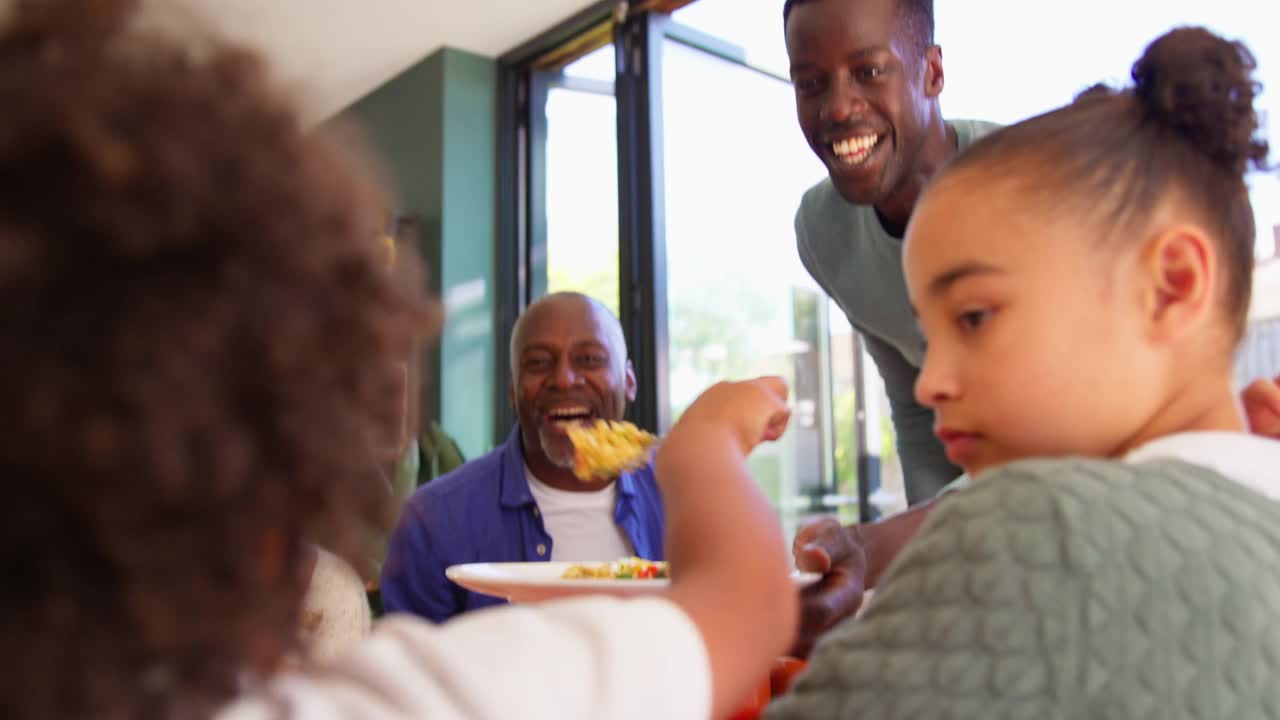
x: 201, y: 344
x: 1187, y: 125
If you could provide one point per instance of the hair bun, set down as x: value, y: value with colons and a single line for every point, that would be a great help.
x: 1202, y: 86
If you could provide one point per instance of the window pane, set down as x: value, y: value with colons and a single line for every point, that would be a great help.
x: 844, y: 426
x: 740, y: 303
x: 595, y: 65
x: 888, y: 494
x: 582, y: 194
x: 755, y: 26
x: 981, y: 71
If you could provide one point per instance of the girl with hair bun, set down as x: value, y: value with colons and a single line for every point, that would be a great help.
x: 1082, y: 279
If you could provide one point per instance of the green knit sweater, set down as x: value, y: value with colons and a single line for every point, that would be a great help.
x: 1068, y: 589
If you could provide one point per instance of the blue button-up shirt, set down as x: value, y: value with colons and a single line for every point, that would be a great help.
x: 485, y: 512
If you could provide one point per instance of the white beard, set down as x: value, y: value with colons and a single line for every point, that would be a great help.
x: 556, y: 455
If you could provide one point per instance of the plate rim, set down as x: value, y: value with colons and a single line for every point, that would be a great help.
x: 800, y: 578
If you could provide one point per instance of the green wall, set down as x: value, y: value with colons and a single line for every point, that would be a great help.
x: 433, y: 126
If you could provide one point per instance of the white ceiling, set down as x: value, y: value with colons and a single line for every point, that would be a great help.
x: 332, y: 52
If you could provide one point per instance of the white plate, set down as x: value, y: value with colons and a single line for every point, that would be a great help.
x: 532, y: 581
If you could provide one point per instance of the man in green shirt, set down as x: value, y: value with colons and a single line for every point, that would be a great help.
x: 867, y: 78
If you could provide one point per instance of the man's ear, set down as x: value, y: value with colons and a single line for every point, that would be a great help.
x: 511, y: 395
x: 934, y: 77
x: 1179, y: 267
x: 630, y: 382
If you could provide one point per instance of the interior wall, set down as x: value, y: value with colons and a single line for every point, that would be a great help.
x: 432, y: 127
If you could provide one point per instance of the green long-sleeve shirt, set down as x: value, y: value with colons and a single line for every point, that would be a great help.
x: 851, y: 256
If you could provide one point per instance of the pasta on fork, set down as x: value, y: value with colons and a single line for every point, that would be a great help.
x: 608, y: 447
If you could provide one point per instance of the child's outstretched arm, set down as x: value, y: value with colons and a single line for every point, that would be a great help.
x: 731, y: 596
x: 729, y: 563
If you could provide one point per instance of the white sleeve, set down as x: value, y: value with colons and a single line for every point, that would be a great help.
x: 591, y: 658
x: 960, y: 483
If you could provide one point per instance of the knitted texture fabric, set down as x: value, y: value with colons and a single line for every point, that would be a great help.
x: 1068, y: 589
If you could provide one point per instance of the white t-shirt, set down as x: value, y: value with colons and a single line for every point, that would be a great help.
x: 580, y: 523
x: 1251, y: 460
x: 593, y: 658
x: 335, y: 610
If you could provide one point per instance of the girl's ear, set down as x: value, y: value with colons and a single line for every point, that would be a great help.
x: 1180, y: 268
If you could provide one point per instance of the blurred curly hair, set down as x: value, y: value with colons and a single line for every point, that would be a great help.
x: 200, y: 346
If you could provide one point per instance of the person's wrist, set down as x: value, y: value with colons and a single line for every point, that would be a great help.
x: 688, y: 442
x: 702, y: 430
x: 862, y: 535
x: 865, y: 538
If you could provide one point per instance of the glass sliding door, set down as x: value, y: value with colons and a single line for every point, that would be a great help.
x: 578, y: 247
x: 740, y: 303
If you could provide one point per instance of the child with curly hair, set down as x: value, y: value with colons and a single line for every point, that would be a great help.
x: 202, y: 350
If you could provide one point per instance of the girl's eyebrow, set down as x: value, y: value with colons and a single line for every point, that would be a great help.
x: 942, y: 282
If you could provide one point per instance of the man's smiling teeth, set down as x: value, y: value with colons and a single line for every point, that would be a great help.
x: 570, y: 412
x: 854, y: 149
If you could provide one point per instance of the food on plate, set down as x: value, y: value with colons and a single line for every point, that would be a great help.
x: 632, y: 568
x: 607, y: 447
